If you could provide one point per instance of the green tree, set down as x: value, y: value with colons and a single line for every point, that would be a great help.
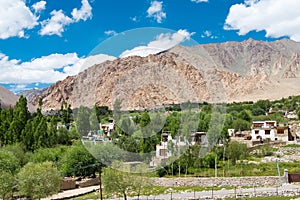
x: 19, y: 152
x: 120, y: 181
x: 82, y: 120
x: 106, y: 153
x: 214, y: 133
x: 94, y: 123
x: 245, y: 115
x: 236, y: 151
x: 6, y: 119
x: 172, y: 123
x: 263, y: 104
x: 145, y: 119
x: 28, y: 136
x: 117, y: 182
x: 77, y: 161
x: 52, y: 132
x: 41, y: 138
x: 39, y: 180
x: 9, y: 162
x: 44, y: 154
x: 258, y: 111
x: 241, y: 125
x: 20, y: 117
x: 7, y: 184
x: 209, y: 160
x: 62, y: 136
x: 66, y: 114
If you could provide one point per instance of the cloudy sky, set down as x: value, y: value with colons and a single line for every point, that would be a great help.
x: 42, y: 42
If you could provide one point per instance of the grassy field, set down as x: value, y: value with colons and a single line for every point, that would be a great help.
x: 163, y: 190
x: 156, y: 190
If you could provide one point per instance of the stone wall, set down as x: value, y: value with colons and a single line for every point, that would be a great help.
x: 219, y: 182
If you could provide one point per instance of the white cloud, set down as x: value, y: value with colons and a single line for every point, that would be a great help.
x: 84, y: 13
x: 15, y: 18
x: 56, y: 24
x: 85, y: 63
x: 208, y: 34
x: 162, y: 42
x: 39, y: 6
x: 156, y: 11
x: 58, y: 21
x: 278, y: 18
x: 47, y: 69
x: 134, y: 19
x: 199, y: 1
x: 111, y: 33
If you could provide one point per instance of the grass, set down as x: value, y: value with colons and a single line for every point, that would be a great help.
x: 291, y: 146
x: 247, y: 169
x: 155, y: 190
x: 267, y: 198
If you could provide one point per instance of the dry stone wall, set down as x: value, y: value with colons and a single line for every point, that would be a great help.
x: 219, y: 182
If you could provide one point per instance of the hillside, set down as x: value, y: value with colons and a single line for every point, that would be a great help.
x: 226, y: 72
x: 7, y: 98
x: 31, y: 94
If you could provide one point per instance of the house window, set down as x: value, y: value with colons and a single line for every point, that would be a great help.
x: 256, y: 132
x: 267, y: 132
x: 163, y: 152
x: 280, y: 131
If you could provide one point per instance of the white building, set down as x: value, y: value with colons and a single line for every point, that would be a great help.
x: 264, y: 130
x: 169, y: 146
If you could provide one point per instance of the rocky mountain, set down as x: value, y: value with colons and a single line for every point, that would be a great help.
x: 31, y: 94
x: 7, y: 98
x: 224, y: 72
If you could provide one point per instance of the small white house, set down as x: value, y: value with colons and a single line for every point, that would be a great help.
x: 264, y: 130
x: 169, y: 146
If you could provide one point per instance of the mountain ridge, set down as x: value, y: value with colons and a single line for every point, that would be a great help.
x: 217, y: 72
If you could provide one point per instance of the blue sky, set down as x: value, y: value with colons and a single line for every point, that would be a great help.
x: 42, y: 42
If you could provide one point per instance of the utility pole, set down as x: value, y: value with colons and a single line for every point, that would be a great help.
x: 100, y: 180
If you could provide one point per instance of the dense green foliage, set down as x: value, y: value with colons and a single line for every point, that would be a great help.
x: 33, y: 130
x: 35, y: 141
x: 38, y: 180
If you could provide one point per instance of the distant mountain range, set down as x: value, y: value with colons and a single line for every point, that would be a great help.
x: 225, y: 72
x: 31, y: 94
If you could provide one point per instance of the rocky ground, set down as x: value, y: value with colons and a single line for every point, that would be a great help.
x: 286, y: 154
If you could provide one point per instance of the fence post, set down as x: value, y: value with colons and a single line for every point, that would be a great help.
x: 235, y: 192
x: 286, y: 175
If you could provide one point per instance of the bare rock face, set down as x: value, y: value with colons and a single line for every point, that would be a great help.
x: 7, y: 98
x: 226, y: 72
x: 57, y: 94
x: 31, y: 94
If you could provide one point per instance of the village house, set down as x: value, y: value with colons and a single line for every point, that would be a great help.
x: 271, y: 131
x: 263, y: 130
x: 169, y: 146
x: 101, y: 135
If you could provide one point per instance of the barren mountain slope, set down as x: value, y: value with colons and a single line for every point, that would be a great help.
x: 7, y: 98
x: 231, y: 71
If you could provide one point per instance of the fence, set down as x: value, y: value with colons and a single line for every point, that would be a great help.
x: 293, y: 178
